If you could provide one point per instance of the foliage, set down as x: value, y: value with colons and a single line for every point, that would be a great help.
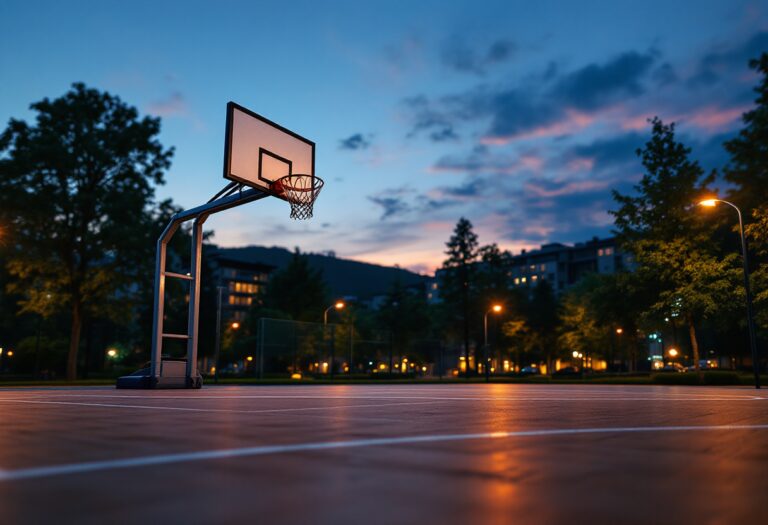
x: 457, y: 277
x: 671, y: 243
x: 76, y: 190
x: 298, y: 290
x: 748, y: 167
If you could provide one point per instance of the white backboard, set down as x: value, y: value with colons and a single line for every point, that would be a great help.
x: 257, y: 151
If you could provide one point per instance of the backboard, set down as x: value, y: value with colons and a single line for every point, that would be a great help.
x: 257, y: 151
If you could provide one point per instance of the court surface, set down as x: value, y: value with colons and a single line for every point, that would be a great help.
x: 385, y: 454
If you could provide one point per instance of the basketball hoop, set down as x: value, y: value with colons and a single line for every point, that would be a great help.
x: 300, y: 191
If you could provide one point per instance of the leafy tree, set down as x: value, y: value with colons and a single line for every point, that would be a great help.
x: 748, y: 167
x: 458, y: 273
x: 298, y: 290
x: 673, y: 245
x: 405, y: 315
x: 543, y: 321
x: 76, y: 189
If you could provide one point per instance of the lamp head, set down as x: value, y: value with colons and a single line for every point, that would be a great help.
x: 339, y: 305
x: 496, y: 308
x: 709, y: 203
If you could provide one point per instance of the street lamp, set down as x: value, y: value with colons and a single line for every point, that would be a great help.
x: 673, y: 352
x: 711, y: 203
x: 496, y: 308
x: 338, y: 305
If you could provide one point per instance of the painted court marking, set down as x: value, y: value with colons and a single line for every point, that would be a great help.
x: 166, y: 459
x: 188, y: 409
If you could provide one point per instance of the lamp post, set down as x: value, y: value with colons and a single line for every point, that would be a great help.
x: 338, y: 305
x: 496, y: 308
x: 711, y: 203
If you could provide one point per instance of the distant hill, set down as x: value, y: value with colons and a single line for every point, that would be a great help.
x: 344, y: 277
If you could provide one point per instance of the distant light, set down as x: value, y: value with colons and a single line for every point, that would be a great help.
x: 339, y: 305
x: 673, y: 352
x: 370, y: 363
x: 111, y: 352
x: 10, y: 353
x: 619, y: 331
x: 496, y: 308
x: 249, y: 358
x: 423, y: 368
x: 709, y: 203
x: 235, y: 325
x: 296, y: 375
x: 575, y: 353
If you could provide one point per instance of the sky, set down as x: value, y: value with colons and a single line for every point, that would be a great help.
x: 520, y: 116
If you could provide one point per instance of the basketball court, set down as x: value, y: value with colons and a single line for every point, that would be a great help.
x: 385, y: 454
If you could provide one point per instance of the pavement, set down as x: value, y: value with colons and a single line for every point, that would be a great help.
x: 385, y: 454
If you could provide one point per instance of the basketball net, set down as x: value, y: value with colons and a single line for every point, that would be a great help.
x: 300, y: 191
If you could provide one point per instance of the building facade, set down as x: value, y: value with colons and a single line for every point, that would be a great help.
x: 560, y: 264
x: 240, y: 282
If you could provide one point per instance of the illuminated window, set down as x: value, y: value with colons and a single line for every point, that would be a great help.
x: 517, y: 280
x: 534, y: 277
x: 543, y: 267
x: 523, y: 279
x: 600, y: 252
x: 609, y: 251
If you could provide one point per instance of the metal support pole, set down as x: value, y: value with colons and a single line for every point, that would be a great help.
x: 748, y: 292
x: 750, y: 313
x: 485, y: 345
x: 159, y: 306
x: 218, y: 336
x: 194, y: 299
x: 261, y: 348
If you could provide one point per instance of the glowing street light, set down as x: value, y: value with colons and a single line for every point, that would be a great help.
x: 235, y: 325
x: 619, y: 331
x: 496, y: 308
x: 673, y: 352
x: 338, y: 305
x: 711, y: 203
x: 112, y: 353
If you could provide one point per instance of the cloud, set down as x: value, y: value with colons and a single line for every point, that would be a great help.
x: 173, y: 105
x: 457, y: 55
x: 552, y: 103
x: 721, y: 62
x: 597, y: 85
x: 426, y: 118
x: 356, y: 141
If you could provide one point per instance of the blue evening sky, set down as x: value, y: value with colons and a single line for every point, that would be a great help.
x: 518, y: 115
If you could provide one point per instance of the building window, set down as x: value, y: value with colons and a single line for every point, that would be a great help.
x: 534, y: 277
x: 609, y: 251
x: 523, y: 279
x: 543, y: 267
x: 600, y: 252
x: 517, y: 280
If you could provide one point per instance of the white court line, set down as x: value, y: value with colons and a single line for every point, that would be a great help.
x: 186, y: 409
x: 426, y: 398
x: 165, y: 459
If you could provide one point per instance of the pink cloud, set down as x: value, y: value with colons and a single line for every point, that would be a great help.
x: 173, y: 105
x: 715, y: 119
x: 558, y: 190
x: 573, y: 121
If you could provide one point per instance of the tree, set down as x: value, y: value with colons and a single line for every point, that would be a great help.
x: 748, y: 167
x: 543, y: 321
x: 673, y: 245
x: 404, y: 314
x: 298, y: 290
x: 76, y: 189
x: 458, y: 273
